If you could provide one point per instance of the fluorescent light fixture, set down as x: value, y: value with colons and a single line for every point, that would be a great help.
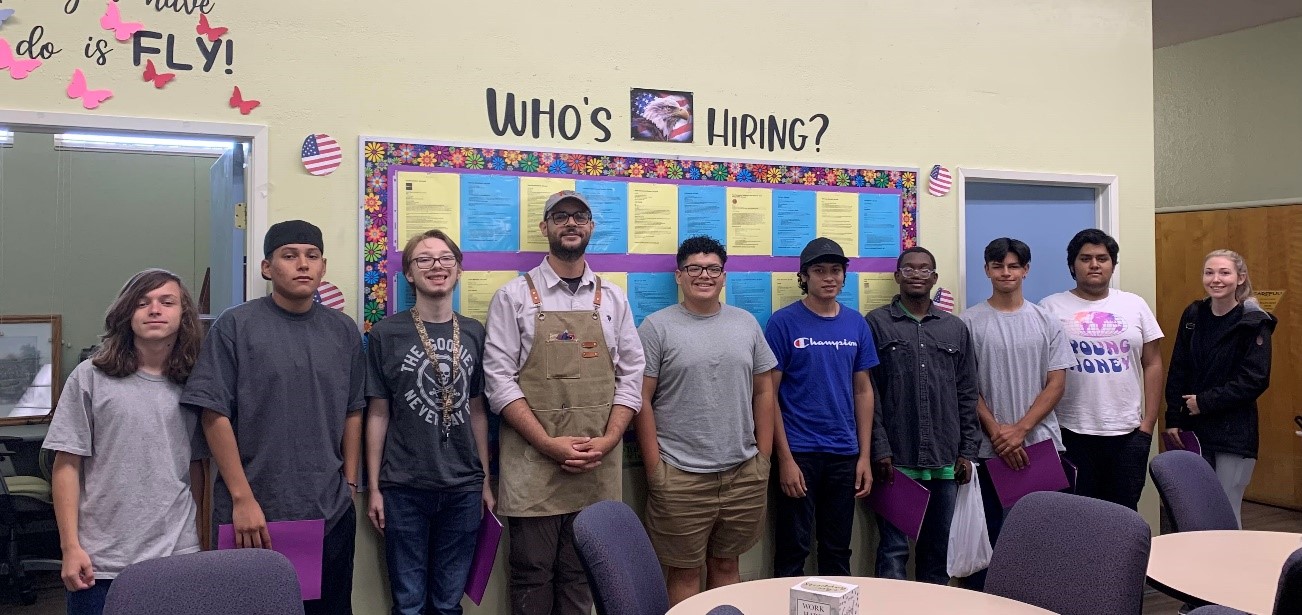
x: 6, y: 137
x: 153, y: 145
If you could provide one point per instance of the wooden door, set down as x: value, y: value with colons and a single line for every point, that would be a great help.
x: 1270, y: 240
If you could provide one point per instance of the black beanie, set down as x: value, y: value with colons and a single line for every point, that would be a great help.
x: 291, y: 231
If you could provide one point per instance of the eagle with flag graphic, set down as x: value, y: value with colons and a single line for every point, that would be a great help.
x: 661, y: 116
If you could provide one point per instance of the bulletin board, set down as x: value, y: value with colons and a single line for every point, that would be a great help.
x: 490, y: 201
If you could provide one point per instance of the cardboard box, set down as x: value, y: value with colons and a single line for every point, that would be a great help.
x: 815, y: 596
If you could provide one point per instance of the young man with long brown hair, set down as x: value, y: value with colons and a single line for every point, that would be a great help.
x: 124, y: 462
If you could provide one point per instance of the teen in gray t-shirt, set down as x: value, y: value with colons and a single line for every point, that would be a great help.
x: 705, y: 367
x: 1015, y: 352
x: 137, y: 444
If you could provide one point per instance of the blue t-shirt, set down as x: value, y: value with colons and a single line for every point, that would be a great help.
x: 818, y: 357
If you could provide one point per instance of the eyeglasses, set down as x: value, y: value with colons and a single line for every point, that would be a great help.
x: 447, y: 261
x: 910, y: 272
x: 561, y: 217
x: 713, y: 271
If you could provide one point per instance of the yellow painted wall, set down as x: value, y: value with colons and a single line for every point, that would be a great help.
x: 1228, y: 123
x: 1033, y: 85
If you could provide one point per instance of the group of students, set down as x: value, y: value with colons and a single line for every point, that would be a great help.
x: 275, y: 394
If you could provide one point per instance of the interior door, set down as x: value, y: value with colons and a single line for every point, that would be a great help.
x: 1268, y: 238
x: 229, y: 221
x: 1044, y: 216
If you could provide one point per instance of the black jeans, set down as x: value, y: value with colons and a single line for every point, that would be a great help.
x: 1110, y: 468
x: 336, y: 568
x: 828, y: 508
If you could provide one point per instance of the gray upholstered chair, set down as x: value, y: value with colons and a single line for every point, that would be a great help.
x: 1192, y: 494
x: 1072, y: 555
x: 620, y: 563
x: 725, y: 609
x: 245, y: 581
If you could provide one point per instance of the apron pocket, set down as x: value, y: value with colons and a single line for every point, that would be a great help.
x: 561, y: 358
x: 587, y: 421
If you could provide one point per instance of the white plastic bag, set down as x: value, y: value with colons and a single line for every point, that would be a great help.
x: 969, y: 543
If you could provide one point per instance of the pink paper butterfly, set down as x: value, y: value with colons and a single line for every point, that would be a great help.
x: 18, y: 69
x: 89, y: 98
x: 112, y: 20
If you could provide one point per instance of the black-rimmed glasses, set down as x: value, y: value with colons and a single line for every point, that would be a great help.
x: 447, y: 261
x: 712, y: 271
x: 561, y: 217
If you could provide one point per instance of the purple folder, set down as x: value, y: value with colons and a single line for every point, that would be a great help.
x: 481, y: 567
x: 300, y: 541
x: 903, y: 502
x: 1045, y: 473
x: 1187, y: 438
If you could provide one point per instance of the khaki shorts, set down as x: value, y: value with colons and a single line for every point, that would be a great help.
x: 720, y: 513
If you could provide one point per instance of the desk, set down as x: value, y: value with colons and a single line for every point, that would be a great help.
x: 1234, y: 568
x: 773, y: 597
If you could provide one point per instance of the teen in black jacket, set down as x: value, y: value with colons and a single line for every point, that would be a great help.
x: 1218, y: 369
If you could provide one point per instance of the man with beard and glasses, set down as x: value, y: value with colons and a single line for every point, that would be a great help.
x: 427, y: 434
x: 926, y: 419
x: 563, y: 366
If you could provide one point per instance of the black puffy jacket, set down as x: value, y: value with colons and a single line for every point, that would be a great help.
x: 1227, y: 381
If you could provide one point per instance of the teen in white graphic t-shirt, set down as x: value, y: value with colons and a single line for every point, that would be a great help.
x: 1114, y: 390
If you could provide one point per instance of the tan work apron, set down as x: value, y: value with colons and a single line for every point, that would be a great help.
x: 569, y: 381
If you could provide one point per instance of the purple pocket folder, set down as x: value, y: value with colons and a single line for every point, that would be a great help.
x: 1045, y: 473
x: 300, y: 541
x: 481, y: 567
x: 903, y: 502
x: 1187, y: 438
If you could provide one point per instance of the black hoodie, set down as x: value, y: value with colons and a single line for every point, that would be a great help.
x: 1227, y: 381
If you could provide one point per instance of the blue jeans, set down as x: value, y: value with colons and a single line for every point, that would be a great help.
x: 828, y: 505
x: 89, y: 601
x: 933, y: 540
x: 429, y: 543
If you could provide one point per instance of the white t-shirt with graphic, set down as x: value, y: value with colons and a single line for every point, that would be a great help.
x: 1105, y: 388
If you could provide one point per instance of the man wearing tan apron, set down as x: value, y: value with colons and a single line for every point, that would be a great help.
x: 563, y: 366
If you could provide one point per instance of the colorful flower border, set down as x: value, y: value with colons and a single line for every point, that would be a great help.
x: 380, y: 155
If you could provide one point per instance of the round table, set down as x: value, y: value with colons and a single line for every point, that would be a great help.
x: 1235, y: 568
x: 773, y: 597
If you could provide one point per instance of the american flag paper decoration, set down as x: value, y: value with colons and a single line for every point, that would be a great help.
x: 329, y: 295
x: 939, y: 182
x: 321, y: 154
x: 944, y: 300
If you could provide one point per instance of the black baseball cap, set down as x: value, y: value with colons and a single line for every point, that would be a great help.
x: 821, y: 250
x: 289, y: 232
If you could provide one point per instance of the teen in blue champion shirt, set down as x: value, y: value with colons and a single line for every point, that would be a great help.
x: 824, y: 427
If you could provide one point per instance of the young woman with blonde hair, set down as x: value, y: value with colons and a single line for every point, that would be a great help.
x: 1219, y: 367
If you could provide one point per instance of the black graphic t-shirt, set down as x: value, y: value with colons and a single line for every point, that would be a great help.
x: 398, y: 369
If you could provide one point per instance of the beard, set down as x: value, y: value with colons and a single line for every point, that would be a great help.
x: 569, y: 255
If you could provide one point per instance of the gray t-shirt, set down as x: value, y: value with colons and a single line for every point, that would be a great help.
x: 137, y: 444
x: 286, y: 381
x: 1015, y: 352
x: 398, y: 369
x: 705, y: 368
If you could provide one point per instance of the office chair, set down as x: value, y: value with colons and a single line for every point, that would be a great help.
x: 25, y: 503
x: 244, y: 581
x: 621, y: 565
x: 1072, y: 555
x: 1192, y: 494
